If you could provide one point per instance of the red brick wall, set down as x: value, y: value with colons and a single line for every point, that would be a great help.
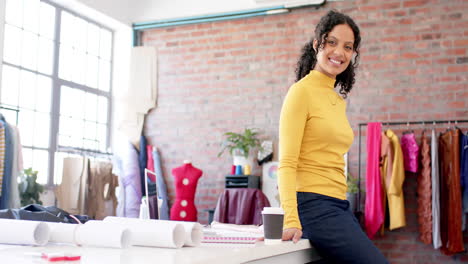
x: 225, y: 76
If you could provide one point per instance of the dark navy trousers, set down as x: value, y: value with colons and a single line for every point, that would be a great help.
x: 334, y: 231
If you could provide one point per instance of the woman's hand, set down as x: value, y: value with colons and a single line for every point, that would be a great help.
x: 292, y: 233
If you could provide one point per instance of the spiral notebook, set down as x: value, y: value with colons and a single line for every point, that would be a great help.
x: 229, y: 237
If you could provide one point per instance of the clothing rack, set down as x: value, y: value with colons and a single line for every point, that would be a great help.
x: 83, y: 151
x: 399, y: 123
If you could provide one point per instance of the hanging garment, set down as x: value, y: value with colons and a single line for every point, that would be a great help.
x: 129, y: 198
x: 150, y: 162
x: 410, y: 152
x: 424, y: 193
x: 385, y: 172
x: 102, y: 201
x: 72, y: 192
x: 8, y: 167
x: 451, y: 205
x: 436, y: 241
x: 161, y: 185
x: 142, y: 159
x: 241, y: 206
x: 394, y: 183
x: 464, y: 169
x: 373, y: 207
x: 186, y: 179
x: 17, y: 168
x: 2, y: 155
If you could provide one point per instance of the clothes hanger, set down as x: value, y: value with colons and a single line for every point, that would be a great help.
x: 408, y: 131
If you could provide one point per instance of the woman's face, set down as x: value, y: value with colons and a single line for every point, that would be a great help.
x: 337, y: 51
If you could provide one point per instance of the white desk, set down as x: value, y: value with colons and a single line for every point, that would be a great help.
x: 286, y: 252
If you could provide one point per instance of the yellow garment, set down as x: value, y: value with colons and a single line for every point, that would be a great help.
x: 394, y: 188
x: 314, y: 135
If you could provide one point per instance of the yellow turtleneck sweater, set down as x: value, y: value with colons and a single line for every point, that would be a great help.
x: 314, y: 135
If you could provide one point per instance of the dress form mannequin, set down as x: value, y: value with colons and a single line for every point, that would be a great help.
x: 186, y: 179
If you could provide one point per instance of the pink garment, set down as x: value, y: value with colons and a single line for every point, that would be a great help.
x: 150, y: 162
x: 186, y: 179
x: 374, y: 213
x: 410, y: 152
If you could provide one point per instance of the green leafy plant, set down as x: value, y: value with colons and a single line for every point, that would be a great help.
x: 352, y: 184
x: 29, y: 188
x: 242, y: 142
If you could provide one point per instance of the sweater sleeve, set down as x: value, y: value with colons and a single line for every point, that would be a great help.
x: 291, y: 130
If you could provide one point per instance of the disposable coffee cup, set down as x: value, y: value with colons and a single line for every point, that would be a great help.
x: 273, y: 224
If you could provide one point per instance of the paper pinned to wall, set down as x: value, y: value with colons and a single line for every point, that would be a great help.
x: 23, y: 232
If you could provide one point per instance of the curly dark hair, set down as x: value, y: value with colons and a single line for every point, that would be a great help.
x: 308, y: 57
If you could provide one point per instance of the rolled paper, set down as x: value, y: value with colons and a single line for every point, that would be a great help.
x: 24, y: 232
x: 103, y: 234
x: 62, y: 233
x: 233, y: 170
x: 193, y: 230
x: 168, y: 234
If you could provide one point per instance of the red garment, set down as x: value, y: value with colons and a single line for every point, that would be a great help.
x: 450, y: 193
x: 374, y: 212
x: 241, y: 206
x: 186, y: 179
x: 425, y: 193
x: 150, y: 162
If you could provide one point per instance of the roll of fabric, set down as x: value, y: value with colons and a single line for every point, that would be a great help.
x: 23, y: 232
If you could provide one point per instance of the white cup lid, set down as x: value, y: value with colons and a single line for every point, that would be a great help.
x: 272, y: 210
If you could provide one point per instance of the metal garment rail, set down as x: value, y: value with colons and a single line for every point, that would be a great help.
x: 399, y: 123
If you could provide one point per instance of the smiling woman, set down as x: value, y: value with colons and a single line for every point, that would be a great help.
x: 314, y: 135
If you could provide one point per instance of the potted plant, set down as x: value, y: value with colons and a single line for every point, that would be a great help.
x: 29, y: 189
x: 351, y: 192
x: 239, y: 145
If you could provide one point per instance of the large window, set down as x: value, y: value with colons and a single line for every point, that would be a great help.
x: 57, y: 72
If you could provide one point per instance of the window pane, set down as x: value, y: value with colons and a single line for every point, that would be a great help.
x: 77, y: 103
x: 102, y: 137
x: 90, y: 136
x: 41, y: 164
x: 14, y: 12
x: 66, y: 62
x: 41, y: 130
x: 80, y: 33
x: 93, y: 39
x: 105, y: 45
x: 47, y: 20
x: 43, y: 94
x: 45, y: 56
x: 92, y: 71
x: 26, y: 126
x: 66, y: 29
x: 10, y: 85
x: 12, y: 48
x: 31, y: 15
x: 77, y: 133
x: 29, y: 51
x: 104, y: 75
x: 79, y: 63
x: 102, y: 109
x: 27, y: 90
x: 27, y: 156
x: 91, y: 107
